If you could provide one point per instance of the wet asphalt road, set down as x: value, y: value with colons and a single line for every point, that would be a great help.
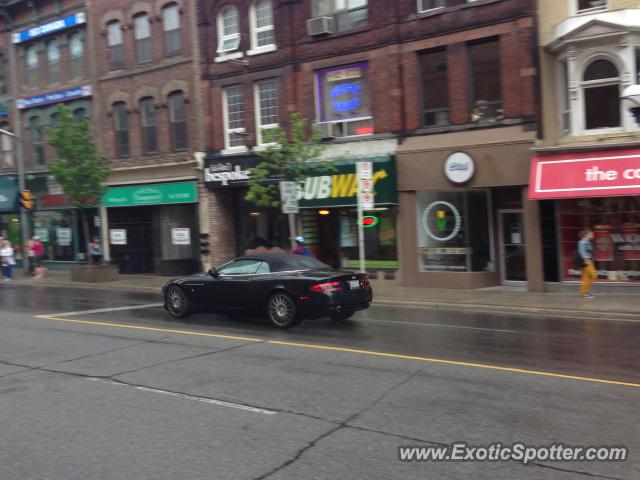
x: 89, y: 400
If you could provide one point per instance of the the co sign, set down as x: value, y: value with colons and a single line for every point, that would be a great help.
x: 459, y: 167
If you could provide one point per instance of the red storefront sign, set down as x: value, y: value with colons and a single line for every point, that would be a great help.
x: 590, y: 174
x: 49, y: 200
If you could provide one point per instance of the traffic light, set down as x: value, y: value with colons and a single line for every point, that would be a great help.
x: 26, y: 199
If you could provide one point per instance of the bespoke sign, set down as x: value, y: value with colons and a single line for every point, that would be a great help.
x: 152, y: 194
x: 54, y: 97
x: 49, y: 27
x: 459, y: 167
x: 591, y: 174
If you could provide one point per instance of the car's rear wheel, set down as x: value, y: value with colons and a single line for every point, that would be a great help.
x: 282, y: 310
x: 341, y: 315
x: 177, y: 302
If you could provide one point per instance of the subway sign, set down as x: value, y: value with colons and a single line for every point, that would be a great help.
x: 338, y: 187
x: 49, y: 27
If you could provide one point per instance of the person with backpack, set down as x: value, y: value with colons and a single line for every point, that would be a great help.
x: 301, y: 249
x: 584, y: 260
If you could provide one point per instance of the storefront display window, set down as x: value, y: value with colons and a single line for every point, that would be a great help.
x: 332, y: 234
x: 454, y: 231
x: 56, y: 230
x: 615, y: 222
x: 259, y: 227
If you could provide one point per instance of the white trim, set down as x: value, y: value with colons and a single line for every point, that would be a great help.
x: 228, y: 149
x: 261, y: 50
x: 228, y: 56
x: 253, y: 20
x: 221, y: 36
x: 259, y: 126
x: 586, y: 11
x: 432, y: 9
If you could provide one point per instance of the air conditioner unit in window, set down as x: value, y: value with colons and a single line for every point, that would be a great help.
x: 319, y: 26
x: 324, y: 130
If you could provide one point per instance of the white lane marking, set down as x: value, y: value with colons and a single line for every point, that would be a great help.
x: 184, y: 396
x: 102, y: 310
x: 439, y: 325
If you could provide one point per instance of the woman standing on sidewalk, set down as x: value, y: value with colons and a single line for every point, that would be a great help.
x: 585, y: 251
x: 7, y: 260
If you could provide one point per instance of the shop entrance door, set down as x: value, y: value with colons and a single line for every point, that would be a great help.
x: 512, y: 247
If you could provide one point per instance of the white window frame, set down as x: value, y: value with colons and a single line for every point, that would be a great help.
x: 432, y: 9
x: 583, y: 85
x: 259, y: 125
x: 577, y: 11
x: 7, y: 157
x: 222, y: 38
x: 228, y: 149
x: 255, y: 30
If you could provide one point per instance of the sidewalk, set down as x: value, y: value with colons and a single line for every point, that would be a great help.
x: 617, y: 305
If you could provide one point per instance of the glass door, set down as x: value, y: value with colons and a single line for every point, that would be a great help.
x: 512, y: 247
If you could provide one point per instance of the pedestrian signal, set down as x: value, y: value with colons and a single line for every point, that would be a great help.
x: 26, y: 199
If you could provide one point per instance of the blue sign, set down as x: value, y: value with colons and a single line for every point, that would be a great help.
x: 51, y: 27
x: 54, y: 97
x: 346, y: 97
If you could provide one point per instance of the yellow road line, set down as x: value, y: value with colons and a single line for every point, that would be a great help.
x: 349, y: 350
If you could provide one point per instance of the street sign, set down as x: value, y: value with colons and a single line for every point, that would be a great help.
x: 366, y: 185
x: 368, y: 201
x: 289, y: 197
x: 365, y: 170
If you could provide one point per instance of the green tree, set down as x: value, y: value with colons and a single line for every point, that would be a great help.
x: 78, y: 168
x: 287, y: 158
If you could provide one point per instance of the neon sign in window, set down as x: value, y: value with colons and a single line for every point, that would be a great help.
x: 344, y: 93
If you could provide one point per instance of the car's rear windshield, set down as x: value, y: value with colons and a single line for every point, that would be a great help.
x: 299, y: 262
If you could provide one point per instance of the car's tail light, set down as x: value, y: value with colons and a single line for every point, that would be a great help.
x: 328, y: 287
x: 365, y: 282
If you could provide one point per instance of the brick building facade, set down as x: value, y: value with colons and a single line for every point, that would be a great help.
x: 406, y: 84
x: 132, y: 70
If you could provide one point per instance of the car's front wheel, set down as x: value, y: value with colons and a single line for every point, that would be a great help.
x: 282, y: 310
x: 177, y: 302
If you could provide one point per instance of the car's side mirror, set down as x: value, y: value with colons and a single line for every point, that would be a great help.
x: 214, y: 273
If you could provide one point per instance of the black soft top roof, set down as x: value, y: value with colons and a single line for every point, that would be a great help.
x: 281, y: 262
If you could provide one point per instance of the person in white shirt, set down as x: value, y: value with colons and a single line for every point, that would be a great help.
x: 6, y: 260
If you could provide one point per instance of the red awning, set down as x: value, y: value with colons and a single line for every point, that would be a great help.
x: 587, y: 174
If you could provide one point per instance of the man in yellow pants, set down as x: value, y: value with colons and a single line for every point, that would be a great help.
x: 589, y: 274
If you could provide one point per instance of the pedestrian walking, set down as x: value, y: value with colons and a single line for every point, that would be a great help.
x: 301, y: 249
x: 7, y: 261
x: 585, y: 257
x: 95, y: 250
x: 38, y: 257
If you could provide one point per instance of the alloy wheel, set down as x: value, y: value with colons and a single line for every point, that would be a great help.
x: 175, y: 300
x: 281, y: 309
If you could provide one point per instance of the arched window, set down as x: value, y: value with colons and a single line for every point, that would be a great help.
x: 228, y: 30
x: 76, y: 55
x: 171, y: 26
x: 37, y: 141
x: 116, y: 44
x: 142, y: 33
x: 80, y: 114
x: 601, y: 91
x: 121, y: 127
x: 178, y: 121
x: 148, y: 123
x: 32, y: 63
x: 262, y: 34
x: 53, y: 61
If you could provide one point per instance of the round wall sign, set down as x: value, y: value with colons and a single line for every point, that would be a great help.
x: 459, y: 167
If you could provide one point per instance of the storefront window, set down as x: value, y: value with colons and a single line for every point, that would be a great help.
x: 259, y: 227
x: 615, y: 222
x: 332, y: 235
x: 56, y: 230
x: 454, y: 231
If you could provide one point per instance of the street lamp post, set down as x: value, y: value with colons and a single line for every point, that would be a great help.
x: 24, y: 225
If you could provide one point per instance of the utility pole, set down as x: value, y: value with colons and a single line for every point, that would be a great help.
x: 17, y: 135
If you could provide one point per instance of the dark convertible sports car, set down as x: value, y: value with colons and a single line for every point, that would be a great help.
x: 284, y: 287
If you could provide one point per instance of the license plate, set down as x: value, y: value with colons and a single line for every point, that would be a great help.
x: 354, y: 284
